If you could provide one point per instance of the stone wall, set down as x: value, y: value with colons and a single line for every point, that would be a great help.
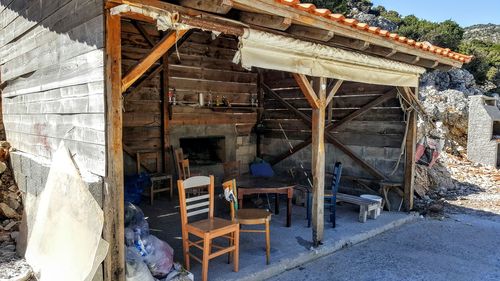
x: 480, y: 146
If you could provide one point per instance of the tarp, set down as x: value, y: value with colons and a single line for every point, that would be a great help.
x: 65, y: 243
x: 272, y: 51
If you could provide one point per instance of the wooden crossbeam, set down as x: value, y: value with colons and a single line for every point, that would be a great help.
x: 290, y: 152
x: 386, y: 96
x: 307, y: 89
x: 144, y: 33
x: 153, y: 56
x: 334, y: 90
x: 144, y: 81
x: 329, y: 137
x: 264, y: 20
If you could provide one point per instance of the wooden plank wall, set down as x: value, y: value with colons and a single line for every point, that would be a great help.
x: 51, y: 60
x: 201, y: 64
x: 375, y: 135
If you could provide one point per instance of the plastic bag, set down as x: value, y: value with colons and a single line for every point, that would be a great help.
x: 135, y: 221
x: 159, y: 256
x: 136, y: 269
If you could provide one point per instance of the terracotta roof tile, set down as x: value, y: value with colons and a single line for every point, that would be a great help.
x: 311, y: 8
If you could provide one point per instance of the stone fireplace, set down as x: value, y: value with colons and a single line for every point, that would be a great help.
x: 204, y: 150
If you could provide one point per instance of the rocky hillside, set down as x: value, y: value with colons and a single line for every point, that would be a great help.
x: 484, y: 32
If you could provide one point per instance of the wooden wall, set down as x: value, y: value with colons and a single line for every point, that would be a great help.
x: 375, y: 136
x: 200, y: 64
x: 51, y: 60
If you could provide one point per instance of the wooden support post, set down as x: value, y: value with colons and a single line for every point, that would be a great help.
x: 154, y: 55
x: 113, y: 203
x: 318, y: 160
x: 260, y: 110
x: 410, y: 146
x: 164, y: 112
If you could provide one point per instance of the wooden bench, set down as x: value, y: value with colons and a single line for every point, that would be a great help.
x: 367, y: 208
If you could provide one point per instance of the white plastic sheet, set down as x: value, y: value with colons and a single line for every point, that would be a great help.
x: 65, y: 242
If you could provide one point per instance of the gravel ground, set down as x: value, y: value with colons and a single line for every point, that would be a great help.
x: 460, y: 247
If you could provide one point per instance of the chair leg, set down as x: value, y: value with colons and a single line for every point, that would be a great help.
x: 363, y: 213
x: 186, y: 254
x: 206, y: 254
x: 268, y: 243
x: 333, y: 210
x: 231, y: 243
x: 237, y: 249
x: 171, y: 188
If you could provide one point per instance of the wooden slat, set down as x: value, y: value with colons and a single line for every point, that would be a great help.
x: 334, y: 90
x: 212, y: 6
x: 311, y: 33
x: 290, y: 152
x: 154, y: 55
x: 113, y: 232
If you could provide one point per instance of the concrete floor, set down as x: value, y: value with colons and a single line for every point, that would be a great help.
x: 462, y: 247
x: 291, y: 247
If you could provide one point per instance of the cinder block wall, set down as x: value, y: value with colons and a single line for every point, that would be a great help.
x: 480, y: 147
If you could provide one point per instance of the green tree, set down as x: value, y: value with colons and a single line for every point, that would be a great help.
x: 336, y: 6
x: 446, y: 34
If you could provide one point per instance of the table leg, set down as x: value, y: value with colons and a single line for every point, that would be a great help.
x: 240, y: 203
x: 276, y: 204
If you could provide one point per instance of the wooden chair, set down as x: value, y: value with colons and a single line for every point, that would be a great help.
x: 206, y: 229
x: 156, y: 177
x: 330, y: 196
x: 250, y: 217
x: 231, y: 169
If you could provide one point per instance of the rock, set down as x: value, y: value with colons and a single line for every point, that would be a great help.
x: 436, y: 208
x: 3, y: 167
x: 8, y: 212
x: 10, y: 248
x: 377, y: 21
x: 13, y: 203
x: 4, y: 237
x: 14, y: 235
x: 11, y: 225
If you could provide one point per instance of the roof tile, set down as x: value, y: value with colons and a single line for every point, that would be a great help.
x: 311, y: 8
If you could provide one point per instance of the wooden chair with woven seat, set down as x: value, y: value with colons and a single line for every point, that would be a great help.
x: 160, y: 182
x: 207, y: 229
x: 250, y: 217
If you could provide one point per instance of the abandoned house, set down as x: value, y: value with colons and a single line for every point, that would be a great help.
x: 125, y: 83
x: 483, y: 140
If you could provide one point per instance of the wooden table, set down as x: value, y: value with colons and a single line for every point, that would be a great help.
x: 262, y: 185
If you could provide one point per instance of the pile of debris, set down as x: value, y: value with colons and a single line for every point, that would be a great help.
x: 11, y: 209
x: 453, y: 181
x: 458, y: 185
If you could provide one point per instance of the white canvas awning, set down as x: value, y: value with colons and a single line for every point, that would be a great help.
x: 271, y: 51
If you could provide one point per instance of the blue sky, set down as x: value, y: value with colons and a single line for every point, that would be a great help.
x: 465, y: 12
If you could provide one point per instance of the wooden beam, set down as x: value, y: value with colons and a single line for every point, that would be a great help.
x: 290, y: 152
x: 307, y: 120
x: 410, y: 146
x: 346, y: 150
x: 311, y: 32
x: 212, y: 6
x: 318, y: 162
x: 307, y: 90
x: 386, y: 96
x: 144, y: 33
x: 113, y: 203
x: 334, y: 90
x: 269, y: 21
x: 144, y: 81
x: 165, y: 124
x: 153, y: 56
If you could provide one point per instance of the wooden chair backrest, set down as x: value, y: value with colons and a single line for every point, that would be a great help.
x: 148, y: 155
x: 179, y: 157
x: 231, y: 184
x: 185, y: 172
x: 337, y: 173
x: 231, y: 169
x: 198, y: 204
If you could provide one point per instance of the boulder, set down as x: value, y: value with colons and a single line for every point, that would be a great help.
x: 8, y: 212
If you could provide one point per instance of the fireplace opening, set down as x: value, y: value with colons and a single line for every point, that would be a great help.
x: 204, y: 150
